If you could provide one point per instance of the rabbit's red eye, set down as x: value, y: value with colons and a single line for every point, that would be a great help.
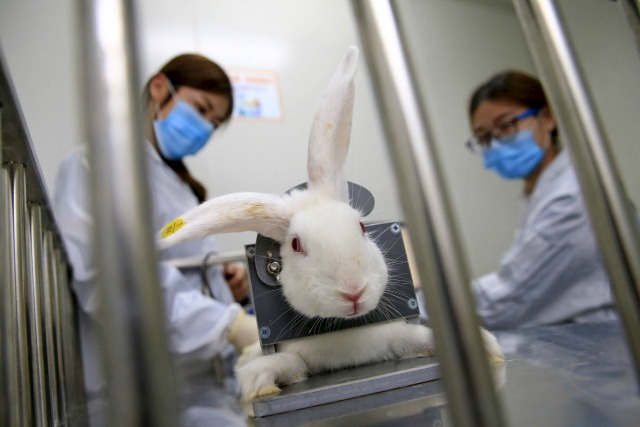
x: 296, y: 245
x: 364, y: 230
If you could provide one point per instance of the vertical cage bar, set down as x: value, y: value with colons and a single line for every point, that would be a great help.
x: 610, y: 211
x: 18, y: 363
x: 8, y: 375
x: 139, y: 372
x: 5, y: 309
x: 467, y: 377
x: 50, y: 328
x: 58, y: 336
x: 67, y: 328
x: 35, y: 310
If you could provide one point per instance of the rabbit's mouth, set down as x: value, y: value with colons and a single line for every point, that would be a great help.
x: 356, y: 304
x: 355, y: 311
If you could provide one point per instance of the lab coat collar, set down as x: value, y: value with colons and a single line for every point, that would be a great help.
x: 151, y: 151
x: 551, y: 173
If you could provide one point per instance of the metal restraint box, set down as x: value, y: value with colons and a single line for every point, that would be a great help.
x: 278, y: 322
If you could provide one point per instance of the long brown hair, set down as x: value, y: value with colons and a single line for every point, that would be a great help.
x: 514, y: 86
x: 198, y: 72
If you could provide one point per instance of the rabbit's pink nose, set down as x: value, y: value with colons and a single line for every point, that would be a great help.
x: 353, y: 296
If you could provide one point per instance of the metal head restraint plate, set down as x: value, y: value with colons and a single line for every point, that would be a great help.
x: 278, y: 322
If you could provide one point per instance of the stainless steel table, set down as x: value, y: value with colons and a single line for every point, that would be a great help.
x: 568, y: 375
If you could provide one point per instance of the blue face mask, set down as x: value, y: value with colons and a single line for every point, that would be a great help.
x: 515, y: 157
x: 183, y: 132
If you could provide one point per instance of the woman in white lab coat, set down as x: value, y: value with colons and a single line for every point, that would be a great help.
x: 184, y: 103
x: 553, y: 273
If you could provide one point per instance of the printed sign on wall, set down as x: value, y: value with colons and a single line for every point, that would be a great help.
x: 256, y: 94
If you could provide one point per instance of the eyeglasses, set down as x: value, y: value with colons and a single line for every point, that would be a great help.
x: 481, y: 143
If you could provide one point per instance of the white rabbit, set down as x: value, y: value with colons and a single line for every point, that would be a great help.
x: 341, y: 274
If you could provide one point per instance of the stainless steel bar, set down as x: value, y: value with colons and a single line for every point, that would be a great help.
x: 59, y: 338
x: 73, y: 380
x: 35, y: 310
x: 8, y: 353
x: 19, y: 369
x: 66, y: 327
x: 50, y: 329
x: 610, y: 210
x: 470, y: 390
x: 5, y: 259
x: 631, y: 9
x: 141, y: 387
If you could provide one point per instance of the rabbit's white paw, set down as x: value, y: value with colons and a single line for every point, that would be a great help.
x: 426, y: 345
x: 409, y: 340
x: 249, y: 353
x: 261, y: 376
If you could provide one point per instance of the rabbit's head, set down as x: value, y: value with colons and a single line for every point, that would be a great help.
x: 330, y: 267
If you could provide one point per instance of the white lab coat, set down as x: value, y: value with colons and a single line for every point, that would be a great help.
x: 553, y: 273
x: 197, y: 325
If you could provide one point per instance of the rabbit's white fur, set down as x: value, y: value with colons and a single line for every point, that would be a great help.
x: 260, y: 375
x: 332, y: 270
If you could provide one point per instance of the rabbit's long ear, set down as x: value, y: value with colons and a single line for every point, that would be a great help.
x: 266, y: 214
x: 331, y: 130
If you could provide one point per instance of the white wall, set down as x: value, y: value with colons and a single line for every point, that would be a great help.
x: 455, y: 45
x: 37, y: 39
x: 302, y: 42
x: 610, y: 60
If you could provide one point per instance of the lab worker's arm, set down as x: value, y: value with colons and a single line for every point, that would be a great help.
x: 198, y: 326
x: 533, y: 273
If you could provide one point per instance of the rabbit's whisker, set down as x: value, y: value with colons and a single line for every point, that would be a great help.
x: 290, y: 325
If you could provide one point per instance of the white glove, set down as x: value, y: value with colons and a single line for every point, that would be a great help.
x: 244, y: 331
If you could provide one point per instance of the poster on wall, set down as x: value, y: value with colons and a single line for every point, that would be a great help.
x: 256, y: 94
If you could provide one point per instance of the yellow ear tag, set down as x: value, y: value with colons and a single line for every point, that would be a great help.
x: 172, y: 227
